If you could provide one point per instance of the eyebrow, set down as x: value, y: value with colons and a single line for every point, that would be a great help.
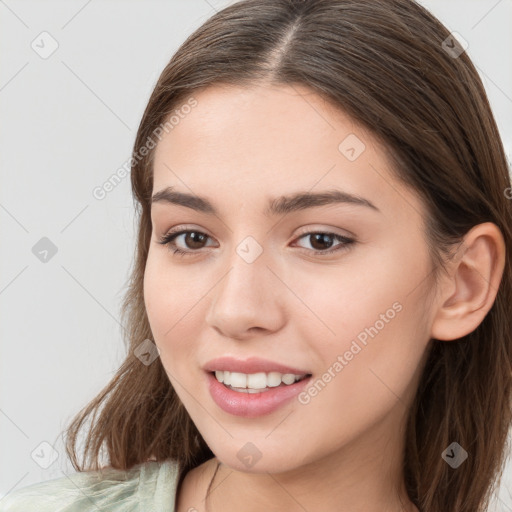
x: 276, y: 206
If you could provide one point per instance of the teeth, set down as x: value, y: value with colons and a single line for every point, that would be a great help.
x: 256, y: 381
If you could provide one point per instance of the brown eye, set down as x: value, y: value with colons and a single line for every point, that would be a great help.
x: 193, y: 241
x: 322, y: 242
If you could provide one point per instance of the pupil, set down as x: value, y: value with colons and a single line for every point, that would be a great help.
x: 193, y: 235
x: 323, y: 239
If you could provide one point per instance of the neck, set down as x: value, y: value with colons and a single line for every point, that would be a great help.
x: 363, y: 476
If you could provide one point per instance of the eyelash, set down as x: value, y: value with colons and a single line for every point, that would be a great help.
x: 168, y: 240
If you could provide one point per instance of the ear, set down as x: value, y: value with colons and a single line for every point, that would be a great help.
x: 468, y: 292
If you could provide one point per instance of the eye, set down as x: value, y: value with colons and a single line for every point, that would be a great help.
x: 194, y: 239
x: 320, y: 239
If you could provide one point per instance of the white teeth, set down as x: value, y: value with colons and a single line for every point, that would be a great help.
x: 238, y: 380
x: 289, y: 378
x: 273, y: 379
x: 256, y: 381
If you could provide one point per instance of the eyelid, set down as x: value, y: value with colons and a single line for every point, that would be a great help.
x: 184, y: 227
x: 317, y: 228
x: 346, y: 242
x: 304, y: 230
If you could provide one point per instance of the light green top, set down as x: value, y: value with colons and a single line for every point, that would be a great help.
x: 148, y: 487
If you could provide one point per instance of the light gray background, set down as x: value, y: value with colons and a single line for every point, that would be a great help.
x: 68, y: 123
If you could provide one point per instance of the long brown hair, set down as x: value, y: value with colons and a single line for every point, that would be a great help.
x: 391, y: 66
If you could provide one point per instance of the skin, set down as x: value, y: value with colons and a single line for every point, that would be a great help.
x: 342, y: 451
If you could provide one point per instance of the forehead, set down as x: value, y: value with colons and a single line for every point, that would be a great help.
x: 238, y: 118
x: 268, y: 140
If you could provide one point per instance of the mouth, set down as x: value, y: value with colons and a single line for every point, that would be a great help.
x: 256, y: 382
x: 259, y: 394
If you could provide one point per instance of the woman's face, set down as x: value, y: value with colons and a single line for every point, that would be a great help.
x: 256, y: 281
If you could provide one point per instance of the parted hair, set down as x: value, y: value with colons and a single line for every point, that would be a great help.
x: 396, y: 70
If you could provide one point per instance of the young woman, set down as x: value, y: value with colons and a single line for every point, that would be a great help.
x: 323, y: 267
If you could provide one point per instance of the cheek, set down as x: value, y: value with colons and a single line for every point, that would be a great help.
x: 341, y: 302
x: 377, y: 315
x: 363, y: 382
x: 175, y: 312
x: 156, y: 299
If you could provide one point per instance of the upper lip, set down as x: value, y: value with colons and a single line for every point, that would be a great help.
x: 251, y: 365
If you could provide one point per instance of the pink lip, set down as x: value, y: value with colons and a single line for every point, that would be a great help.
x: 254, y: 404
x: 251, y: 365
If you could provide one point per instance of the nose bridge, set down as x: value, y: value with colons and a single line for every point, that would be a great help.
x: 246, y: 295
x: 247, y: 274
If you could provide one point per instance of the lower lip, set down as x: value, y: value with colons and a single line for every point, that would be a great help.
x: 251, y: 405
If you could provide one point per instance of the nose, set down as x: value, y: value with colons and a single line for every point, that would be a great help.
x: 248, y: 300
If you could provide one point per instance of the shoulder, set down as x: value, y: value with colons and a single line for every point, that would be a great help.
x: 149, y: 486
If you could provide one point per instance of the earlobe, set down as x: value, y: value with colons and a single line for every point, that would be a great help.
x: 470, y: 288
